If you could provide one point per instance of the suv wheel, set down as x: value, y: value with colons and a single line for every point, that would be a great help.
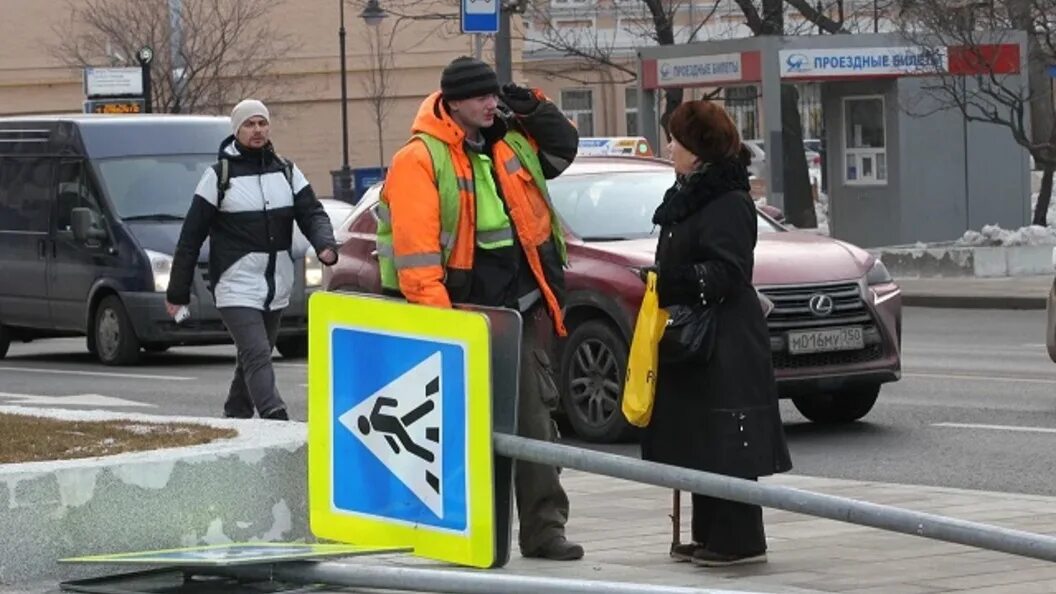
x: 844, y: 406
x: 115, y: 339
x: 5, y: 341
x: 592, y: 367
x: 295, y: 347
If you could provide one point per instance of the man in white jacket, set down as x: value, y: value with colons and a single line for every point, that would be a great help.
x: 246, y: 204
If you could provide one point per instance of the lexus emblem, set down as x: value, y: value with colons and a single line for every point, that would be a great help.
x: 821, y: 305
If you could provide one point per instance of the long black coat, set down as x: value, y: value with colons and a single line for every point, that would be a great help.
x: 719, y: 416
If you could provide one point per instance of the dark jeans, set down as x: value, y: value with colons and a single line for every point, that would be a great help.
x: 542, y: 504
x: 728, y: 527
x: 253, y: 387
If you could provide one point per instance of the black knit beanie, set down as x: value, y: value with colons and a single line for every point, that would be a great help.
x: 465, y: 78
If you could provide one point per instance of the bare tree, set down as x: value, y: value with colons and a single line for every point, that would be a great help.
x: 208, y: 53
x: 613, y: 47
x: 992, y: 94
x: 378, y: 84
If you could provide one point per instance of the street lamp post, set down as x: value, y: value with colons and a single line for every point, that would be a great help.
x: 343, y: 177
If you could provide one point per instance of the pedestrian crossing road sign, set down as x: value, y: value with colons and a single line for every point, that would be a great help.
x: 399, y: 424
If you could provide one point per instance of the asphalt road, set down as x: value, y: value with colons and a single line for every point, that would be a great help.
x: 976, y: 407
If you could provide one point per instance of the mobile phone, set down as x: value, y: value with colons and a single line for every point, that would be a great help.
x: 182, y: 314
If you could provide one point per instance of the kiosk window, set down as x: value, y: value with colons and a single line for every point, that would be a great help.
x: 865, y: 141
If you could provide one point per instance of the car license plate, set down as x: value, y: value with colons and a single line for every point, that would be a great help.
x: 849, y: 338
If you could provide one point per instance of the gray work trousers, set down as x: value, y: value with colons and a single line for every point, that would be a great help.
x: 253, y: 387
x: 542, y: 504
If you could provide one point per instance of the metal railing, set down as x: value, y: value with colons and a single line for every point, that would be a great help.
x: 885, y: 517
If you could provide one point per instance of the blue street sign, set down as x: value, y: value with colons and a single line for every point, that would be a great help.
x: 398, y: 448
x: 365, y: 177
x: 1051, y: 70
x: 480, y: 16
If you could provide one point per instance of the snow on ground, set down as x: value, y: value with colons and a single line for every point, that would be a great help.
x: 993, y: 235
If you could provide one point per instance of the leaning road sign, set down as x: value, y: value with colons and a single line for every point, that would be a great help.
x: 233, y: 554
x: 399, y: 427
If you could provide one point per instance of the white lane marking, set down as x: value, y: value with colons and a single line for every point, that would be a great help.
x: 984, y: 378
x: 74, y: 400
x: 173, y: 378
x: 997, y: 427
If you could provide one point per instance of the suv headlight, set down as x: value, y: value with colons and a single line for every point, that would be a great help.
x: 161, y: 268
x: 313, y: 269
x: 878, y: 274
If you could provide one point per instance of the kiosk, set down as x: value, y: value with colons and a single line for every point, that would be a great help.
x: 899, y: 167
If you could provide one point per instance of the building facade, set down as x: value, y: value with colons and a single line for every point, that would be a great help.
x: 305, y: 94
x: 582, y: 53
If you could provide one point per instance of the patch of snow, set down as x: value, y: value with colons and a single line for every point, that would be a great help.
x: 995, y: 236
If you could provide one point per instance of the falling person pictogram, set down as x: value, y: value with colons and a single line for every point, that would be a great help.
x: 395, y: 428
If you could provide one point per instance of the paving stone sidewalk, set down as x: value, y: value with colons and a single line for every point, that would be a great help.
x: 626, y: 531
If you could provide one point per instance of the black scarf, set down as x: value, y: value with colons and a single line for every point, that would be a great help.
x: 699, y: 188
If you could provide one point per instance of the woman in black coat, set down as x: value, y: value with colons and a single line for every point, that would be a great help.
x: 720, y: 414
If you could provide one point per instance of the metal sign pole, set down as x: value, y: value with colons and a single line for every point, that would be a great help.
x: 436, y: 580
x: 885, y: 517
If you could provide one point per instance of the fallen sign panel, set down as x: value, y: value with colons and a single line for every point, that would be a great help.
x: 235, y: 554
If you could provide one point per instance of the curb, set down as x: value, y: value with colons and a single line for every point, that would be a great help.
x: 1005, y: 302
x: 248, y: 488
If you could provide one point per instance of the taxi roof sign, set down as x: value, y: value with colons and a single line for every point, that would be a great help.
x: 399, y: 410
x: 635, y: 146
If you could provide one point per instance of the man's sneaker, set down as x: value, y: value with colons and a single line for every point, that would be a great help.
x: 684, y: 552
x: 706, y: 558
x: 558, y: 549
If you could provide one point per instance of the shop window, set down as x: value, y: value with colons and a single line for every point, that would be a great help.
x: 865, y: 141
x: 630, y: 110
x: 578, y: 105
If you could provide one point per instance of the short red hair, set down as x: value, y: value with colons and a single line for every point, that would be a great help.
x: 706, y: 130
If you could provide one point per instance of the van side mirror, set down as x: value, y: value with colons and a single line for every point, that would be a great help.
x: 85, y: 225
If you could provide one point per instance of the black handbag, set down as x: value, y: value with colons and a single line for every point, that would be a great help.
x: 689, y: 335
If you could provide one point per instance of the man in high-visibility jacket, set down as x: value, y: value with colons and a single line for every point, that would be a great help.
x: 465, y: 217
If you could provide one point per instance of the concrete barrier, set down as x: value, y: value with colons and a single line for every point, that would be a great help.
x: 250, y: 488
x: 956, y: 261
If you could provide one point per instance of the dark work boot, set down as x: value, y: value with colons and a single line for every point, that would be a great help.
x: 557, y: 549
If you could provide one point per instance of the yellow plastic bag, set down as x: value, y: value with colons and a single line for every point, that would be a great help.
x: 639, y: 387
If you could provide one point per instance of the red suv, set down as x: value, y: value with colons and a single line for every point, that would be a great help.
x: 835, y: 332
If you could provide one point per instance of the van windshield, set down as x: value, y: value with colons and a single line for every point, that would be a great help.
x: 152, y: 187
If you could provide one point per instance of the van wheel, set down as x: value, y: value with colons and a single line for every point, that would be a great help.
x: 845, y: 406
x: 295, y: 347
x: 5, y: 341
x: 592, y: 366
x: 115, y: 339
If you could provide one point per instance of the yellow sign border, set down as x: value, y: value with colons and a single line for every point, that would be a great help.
x: 475, y: 548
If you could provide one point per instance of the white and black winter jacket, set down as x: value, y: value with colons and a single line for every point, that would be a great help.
x: 250, y: 230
